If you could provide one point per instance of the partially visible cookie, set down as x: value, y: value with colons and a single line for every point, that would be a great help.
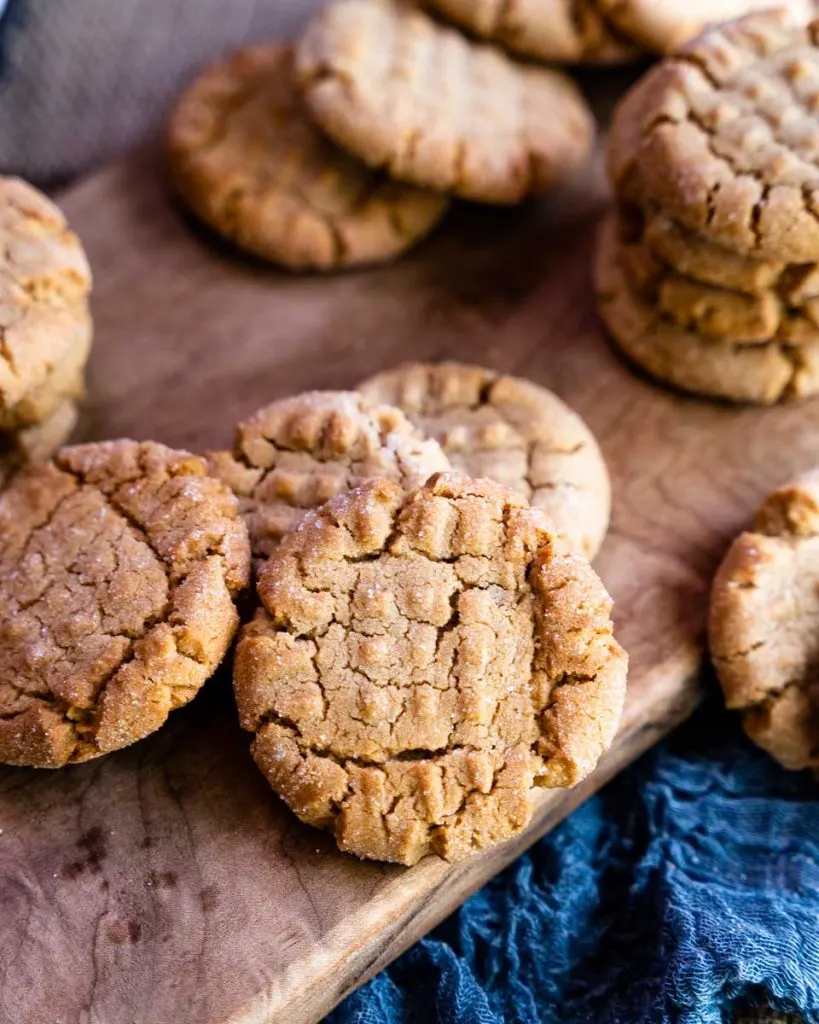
x: 724, y: 137
x: 421, y: 663
x: 764, y: 625
x: 763, y: 373
x: 417, y: 99
x: 32, y: 444
x: 299, y: 452
x: 510, y: 430
x: 45, y: 326
x: 664, y: 25
x: 562, y: 31
x: 119, y: 563
x: 246, y: 158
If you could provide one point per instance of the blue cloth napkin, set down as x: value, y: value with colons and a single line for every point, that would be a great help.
x: 687, y: 888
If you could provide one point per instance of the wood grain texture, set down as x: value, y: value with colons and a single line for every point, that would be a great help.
x: 165, y: 884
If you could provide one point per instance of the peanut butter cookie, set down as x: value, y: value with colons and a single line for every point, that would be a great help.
x: 45, y: 327
x: 762, y: 373
x: 299, y: 452
x: 664, y: 25
x: 724, y: 137
x: 764, y: 625
x: 511, y: 431
x: 119, y: 563
x: 421, y: 663
x: 561, y: 31
x: 246, y: 158
x: 419, y: 100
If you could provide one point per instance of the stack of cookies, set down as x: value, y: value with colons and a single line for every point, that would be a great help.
x: 708, y: 270
x: 429, y: 646
x: 45, y: 325
x: 347, y: 148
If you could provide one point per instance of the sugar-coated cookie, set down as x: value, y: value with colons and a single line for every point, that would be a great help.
x: 119, y: 563
x: 421, y: 662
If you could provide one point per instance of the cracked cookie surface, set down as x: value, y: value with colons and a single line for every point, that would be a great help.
x: 45, y: 326
x: 246, y: 158
x: 664, y: 25
x: 119, y: 562
x: 762, y: 373
x: 416, y: 98
x: 563, y: 31
x: 421, y: 662
x: 297, y: 453
x: 764, y: 625
x: 724, y: 137
x: 513, y: 432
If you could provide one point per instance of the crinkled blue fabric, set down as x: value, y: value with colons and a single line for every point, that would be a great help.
x: 687, y: 888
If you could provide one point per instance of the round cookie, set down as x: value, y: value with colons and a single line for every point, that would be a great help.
x: 724, y: 138
x: 45, y: 325
x: 561, y: 31
x: 764, y: 625
x: 246, y: 158
x: 758, y: 373
x: 512, y: 431
x: 664, y: 25
x: 119, y: 563
x: 421, y: 663
x: 417, y: 99
x: 299, y: 452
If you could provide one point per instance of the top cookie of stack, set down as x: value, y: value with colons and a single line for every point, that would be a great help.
x: 345, y: 149
x: 707, y: 273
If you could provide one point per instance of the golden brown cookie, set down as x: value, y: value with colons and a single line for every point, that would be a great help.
x: 421, y: 663
x: 246, y: 158
x: 408, y: 95
x: 724, y: 138
x: 764, y: 625
x: 32, y: 444
x: 512, y: 431
x: 561, y: 31
x: 119, y: 563
x: 664, y: 25
x: 757, y: 372
x: 45, y: 326
x: 299, y: 452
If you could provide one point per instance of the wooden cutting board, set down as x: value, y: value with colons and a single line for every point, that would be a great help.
x: 166, y: 884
